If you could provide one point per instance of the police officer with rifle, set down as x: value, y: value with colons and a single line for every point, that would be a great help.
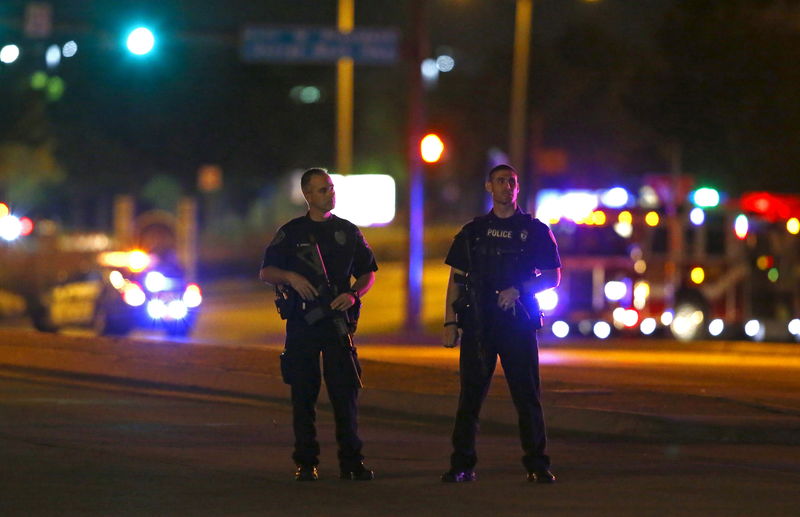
x: 498, y: 262
x: 311, y: 262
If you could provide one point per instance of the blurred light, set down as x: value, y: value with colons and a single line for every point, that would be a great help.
x: 55, y: 88
x: 430, y: 72
x: 10, y: 228
x: 548, y: 299
x: 578, y: 205
x: 140, y: 41
x: 445, y: 63
x: 698, y: 275
x: 666, y: 318
x: 116, y: 279
x: 793, y: 226
x: 648, y: 326
x: 53, y: 56
x: 705, y: 197
x: 133, y: 295
x: 310, y: 95
x: 773, y: 275
x: 648, y: 197
x: 431, y: 148
x: 138, y: 260
x: 625, y: 317
x: 794, y: 327
x: 764, y: 262
x: 641, y: 292
x: 697, y: 216
x: 548, y: 206
x: 26, y: 226
x: 155, y: 282
x: 365, y: 199
x: 686, y: 322
x: 624, y: 230
x: 640, y: 266
x: 616, y: 197
x: 630, y: 318
x: 4, y: 211
x: 9, y: 54
x: 652, y: 218
x: 585, y: 327
x: 177, y: 310
x: 741, y: 226
x: 560, y: 329
x: 192, y: 296
x: 601, y: 330
x: 156, y: 309
x: 625, y: 217
x: 615, y: 290
x: 716, y: 327
x: 39, y: 80
x: 754, y: 329
x: 598, y: 218
x: 69, y: 49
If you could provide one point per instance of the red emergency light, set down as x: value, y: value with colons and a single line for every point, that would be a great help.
x: 772, y: 207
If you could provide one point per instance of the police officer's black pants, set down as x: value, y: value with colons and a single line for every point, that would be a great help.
x: 301, y: 370
x: 519, y: 356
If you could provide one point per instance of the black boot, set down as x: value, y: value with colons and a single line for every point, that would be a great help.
x: 543, y: 476
x: 359, y: 473
x: 459, y: 476
x: 306, y: 473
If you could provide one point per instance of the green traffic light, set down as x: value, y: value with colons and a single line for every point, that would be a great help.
x: 140, y: 41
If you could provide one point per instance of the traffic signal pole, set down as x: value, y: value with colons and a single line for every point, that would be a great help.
x: 416, y: 50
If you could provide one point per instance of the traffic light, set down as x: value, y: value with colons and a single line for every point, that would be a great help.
x: 431, y: 148
x: 140, y: 41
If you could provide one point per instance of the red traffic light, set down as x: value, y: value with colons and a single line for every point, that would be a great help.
x: 431, y: 148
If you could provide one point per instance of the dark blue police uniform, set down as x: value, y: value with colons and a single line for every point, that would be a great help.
x: 502, y: 253
x: 346, y: 254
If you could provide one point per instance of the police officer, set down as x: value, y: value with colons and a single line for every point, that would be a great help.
x: 498, y: 262
x: 291, y: 263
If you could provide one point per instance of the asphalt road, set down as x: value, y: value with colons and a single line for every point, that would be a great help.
x: 98, y: 451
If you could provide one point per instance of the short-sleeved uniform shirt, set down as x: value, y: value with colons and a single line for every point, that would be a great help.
x: 504, y: 251
x: 344, y: 250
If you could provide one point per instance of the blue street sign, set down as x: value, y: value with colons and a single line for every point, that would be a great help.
x: 308, y: 44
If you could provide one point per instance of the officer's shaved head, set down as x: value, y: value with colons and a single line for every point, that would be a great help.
x: 310, y: 173
x: 501, y: 167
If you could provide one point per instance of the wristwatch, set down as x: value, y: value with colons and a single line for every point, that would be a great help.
x: 355, y: 294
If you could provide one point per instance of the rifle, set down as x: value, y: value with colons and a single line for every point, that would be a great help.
x: 473, y: 287
x: 328, y: 291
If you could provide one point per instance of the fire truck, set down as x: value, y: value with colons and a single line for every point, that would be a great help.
x: 700, y: 266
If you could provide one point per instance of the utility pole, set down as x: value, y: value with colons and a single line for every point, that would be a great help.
x: 344, y: 94
x: 416, y: 50
x: 519, y: 84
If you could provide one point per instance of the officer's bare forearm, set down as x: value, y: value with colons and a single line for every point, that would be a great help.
x: 364, y: 283
x: 548, y: 279
x: 452, y: 295
x: 275, y: 276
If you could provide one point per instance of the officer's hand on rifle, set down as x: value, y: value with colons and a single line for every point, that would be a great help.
x: 343, y: 302
x: 303, y: 287
x: 507, y: 298
x: 451, y: 336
